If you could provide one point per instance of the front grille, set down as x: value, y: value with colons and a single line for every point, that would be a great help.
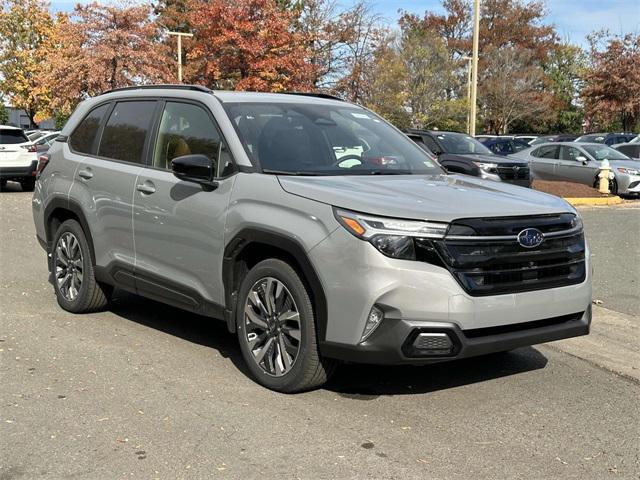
x: 492, y: 262
x: 515, y: 171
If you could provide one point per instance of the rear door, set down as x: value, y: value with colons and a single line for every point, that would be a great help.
x: 107, y: 177
x: 571, y: 169
x: 543, y: 162
x: 179, y: 225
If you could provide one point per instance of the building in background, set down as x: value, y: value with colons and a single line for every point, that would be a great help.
x: 19, y: 118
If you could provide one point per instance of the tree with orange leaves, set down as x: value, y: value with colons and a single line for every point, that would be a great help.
x: 101, y: 47
x: 247, y: 45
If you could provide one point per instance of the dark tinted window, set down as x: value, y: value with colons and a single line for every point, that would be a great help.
x: 185, y: 129
x: 632, y: 150
x: 432, y: 145
x: 518, y: 145
x: 125, y: 132
x: 548, y: 151
x: 82, y: 138
x: 10, y: 136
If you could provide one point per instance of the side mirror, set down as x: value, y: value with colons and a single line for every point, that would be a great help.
x: 194, y: 168
x: 582, y: 159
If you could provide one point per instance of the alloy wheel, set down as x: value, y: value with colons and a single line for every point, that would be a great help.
x: 69, y: 269
x: 272, y: 326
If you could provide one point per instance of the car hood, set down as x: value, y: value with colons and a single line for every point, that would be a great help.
x: 510, y: 159
x: 439, y: 198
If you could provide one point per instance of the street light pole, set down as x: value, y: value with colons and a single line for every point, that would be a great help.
x: 474, y: 80
x: 469, y: 68
x: 180, y: 35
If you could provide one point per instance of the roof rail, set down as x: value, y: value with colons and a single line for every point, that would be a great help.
x: 198, y: 88
x: 317, y: 95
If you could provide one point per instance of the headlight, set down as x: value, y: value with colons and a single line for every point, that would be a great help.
x: 392, y: 237
x: 577, y: 221
x: 487, y: 167
x: 629, y: 171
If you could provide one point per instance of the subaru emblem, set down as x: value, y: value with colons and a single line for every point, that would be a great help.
x: 530, y: 237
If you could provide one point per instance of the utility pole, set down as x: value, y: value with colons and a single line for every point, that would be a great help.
x: 469, y: 68
x: 180, y: 35
x: 474, y: 80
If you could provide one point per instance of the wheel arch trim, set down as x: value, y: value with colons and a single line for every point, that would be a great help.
x: 291, y: 247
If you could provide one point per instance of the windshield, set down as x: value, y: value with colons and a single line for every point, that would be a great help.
x: 594, y: 138
x: 311, y: 139
x: 461, y: 144
x: 600, y: 152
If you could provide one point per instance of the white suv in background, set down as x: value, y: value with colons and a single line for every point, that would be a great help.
x: 18, y: 158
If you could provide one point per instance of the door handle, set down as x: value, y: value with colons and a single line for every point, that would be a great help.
x: 86, y: 174
x: 146, y: 188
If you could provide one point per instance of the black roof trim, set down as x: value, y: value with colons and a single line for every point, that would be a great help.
x: 312, y: 94
x: 197, y: 88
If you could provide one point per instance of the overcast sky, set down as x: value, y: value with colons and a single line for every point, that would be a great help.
x: 574, y: 19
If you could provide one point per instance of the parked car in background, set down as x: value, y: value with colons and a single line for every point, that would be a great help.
x: 461, y: 153
x: 18, y: 158
x: 560, y: 137
x: 631, y: 149
x: 33, y: 135
x: 606, y: 138
x: 634, y: 141
x: 505, y: 146
x: 44, y: 142
x: 580, y: 163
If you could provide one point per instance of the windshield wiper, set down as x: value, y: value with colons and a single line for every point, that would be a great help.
x: 292, y: 172
x: 390, y: 172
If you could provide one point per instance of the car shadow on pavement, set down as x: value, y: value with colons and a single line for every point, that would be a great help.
x: 191, y: 327
x: 368, y: 382
x: 362, y: 382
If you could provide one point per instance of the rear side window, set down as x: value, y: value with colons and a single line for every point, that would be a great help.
x: 83, y: 137
x: 126, y: 131
x: 11, y: 137
x: 548, y: 151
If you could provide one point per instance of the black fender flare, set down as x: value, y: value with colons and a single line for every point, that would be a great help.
x: 293, y: 248
x: 73, y: 207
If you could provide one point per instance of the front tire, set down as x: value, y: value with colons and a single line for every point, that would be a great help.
x: 74, y: 281
x: 276, y: 329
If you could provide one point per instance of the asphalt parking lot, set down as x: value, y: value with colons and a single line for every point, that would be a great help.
x: 147, y: 391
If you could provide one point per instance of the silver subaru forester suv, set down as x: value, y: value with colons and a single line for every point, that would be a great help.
x: 317, y: 231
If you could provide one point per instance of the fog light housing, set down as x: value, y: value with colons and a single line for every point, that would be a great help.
x: 373, y: 321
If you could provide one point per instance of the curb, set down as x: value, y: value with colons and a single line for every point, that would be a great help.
x: 575, y: 201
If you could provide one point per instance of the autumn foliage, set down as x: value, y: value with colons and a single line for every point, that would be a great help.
x: 414, y: 73
x: 247, y: 45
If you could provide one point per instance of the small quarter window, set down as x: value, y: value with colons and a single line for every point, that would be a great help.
x: 83, y: 137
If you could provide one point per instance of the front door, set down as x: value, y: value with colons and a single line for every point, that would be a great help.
x: 571, y: 169
x: 179, y: 225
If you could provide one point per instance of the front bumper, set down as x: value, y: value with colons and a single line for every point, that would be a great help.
x: 19, y: 172
x: 392, y: 343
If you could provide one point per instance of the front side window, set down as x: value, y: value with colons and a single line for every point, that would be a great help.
x: 569, y: 153
x: 126, y: 131
x: 312, y: 139
x: 83, y: 137
x: 187, y: 129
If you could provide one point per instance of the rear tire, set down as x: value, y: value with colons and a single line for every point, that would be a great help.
x: 276, y: 329
x: 28, y: 184
x: 3, y: 183
x: 74, y: 281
